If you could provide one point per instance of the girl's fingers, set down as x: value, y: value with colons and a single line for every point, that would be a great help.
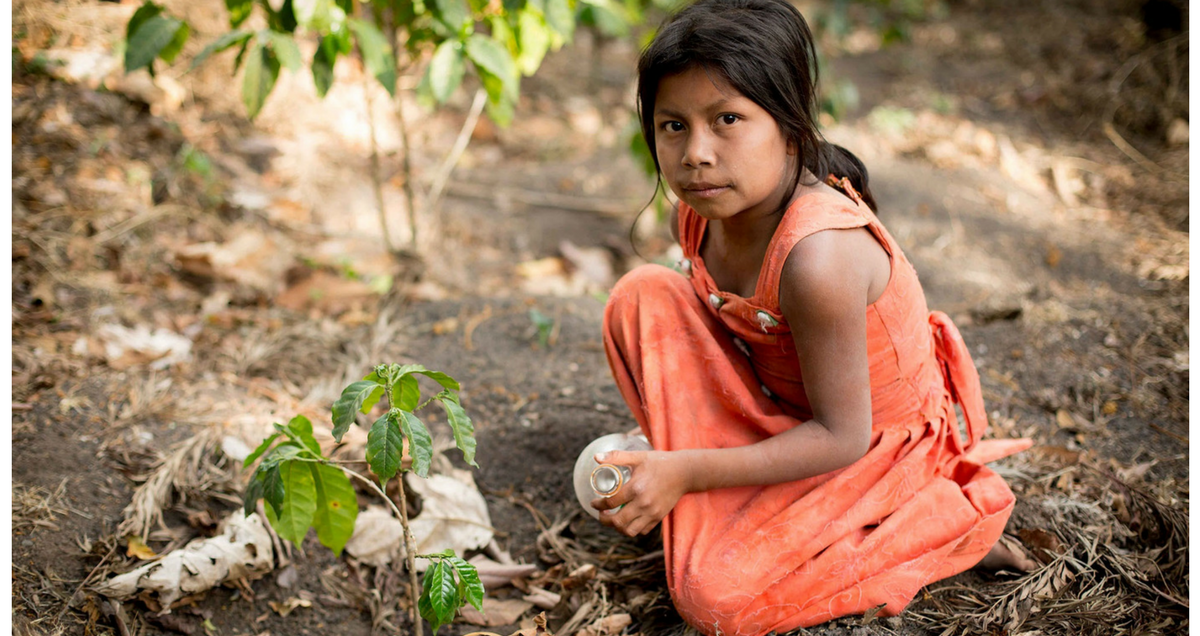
x: 620, y: 458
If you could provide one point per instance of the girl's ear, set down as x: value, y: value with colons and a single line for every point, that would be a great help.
x: 792, y: 148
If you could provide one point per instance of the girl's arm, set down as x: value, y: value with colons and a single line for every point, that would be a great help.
x: 826, y: 284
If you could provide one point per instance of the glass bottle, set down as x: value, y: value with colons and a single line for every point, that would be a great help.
x: 594, y: 480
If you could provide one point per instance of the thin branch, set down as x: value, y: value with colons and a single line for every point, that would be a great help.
x: 376, y: 178
x: 460, y: 146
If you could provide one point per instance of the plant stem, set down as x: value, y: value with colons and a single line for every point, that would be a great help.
x: 460, y: 145
x: 410, y: 556
x: 406, y: 167
x: 376, y: 178
x: 410, y: 542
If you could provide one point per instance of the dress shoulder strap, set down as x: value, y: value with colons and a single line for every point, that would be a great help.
x: 691, y: 230
x: 808, y: 215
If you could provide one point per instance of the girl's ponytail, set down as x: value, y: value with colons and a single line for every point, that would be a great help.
x: 836, y: 160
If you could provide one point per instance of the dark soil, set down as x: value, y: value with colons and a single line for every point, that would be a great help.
x: 1079, y: 309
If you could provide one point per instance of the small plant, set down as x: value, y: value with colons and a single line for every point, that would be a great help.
x: 302, y: 488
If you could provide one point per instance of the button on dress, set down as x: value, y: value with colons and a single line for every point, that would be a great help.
x: 703, y: 368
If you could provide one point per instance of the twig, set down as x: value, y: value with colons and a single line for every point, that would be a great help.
x: 460, y: 145
x: 1114, y: 89
x: 85, y: 581
x: 376, y: 178
x: 141, y: 219
x: 473, y: 324
x: 568, y: 202
x: 406, y: 164
x: 1166, y: 432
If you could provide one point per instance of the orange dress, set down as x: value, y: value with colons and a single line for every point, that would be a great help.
x: 703, y: 368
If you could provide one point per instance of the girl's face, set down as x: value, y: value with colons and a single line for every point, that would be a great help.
x: 720, y: 152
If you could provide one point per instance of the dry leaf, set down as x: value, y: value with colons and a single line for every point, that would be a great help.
x: 496, y: 612
x: 124, y: 348
x: 1064, y: 455
x: 1053, y: 256
x: 286, y: 607
x: 872, y: 613
x: 242, y: 550
x: 377, y: 537
x: 453, y: 516
x: 138, y: 548
x: 610, y: 625
x: 1043, y: 543
x: 1068, y: 422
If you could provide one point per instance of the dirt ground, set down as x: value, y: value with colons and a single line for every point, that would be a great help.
x: 1031, y: 159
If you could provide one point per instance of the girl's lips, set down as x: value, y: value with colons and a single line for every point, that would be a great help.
x: 707, y: 192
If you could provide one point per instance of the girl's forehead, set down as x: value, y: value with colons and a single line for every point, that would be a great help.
x: 694, y: 86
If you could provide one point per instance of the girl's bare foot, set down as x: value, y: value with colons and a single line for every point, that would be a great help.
x: 1008, y: 554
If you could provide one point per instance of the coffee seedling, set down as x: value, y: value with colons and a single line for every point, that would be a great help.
x: 302, y: 488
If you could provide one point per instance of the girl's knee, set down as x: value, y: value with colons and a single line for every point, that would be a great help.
x: 648, y: 285
x: 650, y: 278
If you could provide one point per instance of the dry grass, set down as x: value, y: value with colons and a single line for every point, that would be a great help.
x: 194, y: 468
x: 1113, y: 576
x: 35, y: 507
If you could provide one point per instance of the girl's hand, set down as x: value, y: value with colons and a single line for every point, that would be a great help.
x: 659, y: 479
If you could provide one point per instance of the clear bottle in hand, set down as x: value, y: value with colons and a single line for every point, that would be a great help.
x: 594, y: 480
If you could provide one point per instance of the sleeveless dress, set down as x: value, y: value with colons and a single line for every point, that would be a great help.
x: 704, y: 368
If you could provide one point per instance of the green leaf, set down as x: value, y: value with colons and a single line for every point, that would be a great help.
x: 268, y: 474
x: 299, y: 501
x: 282, y: 20
x: 468, y: 582
x: 337, y: 506
x: 489, y: 55
x: 501, y: 111
x: 406, y: 393
x: 309, y: 12
x: 439, y: 377
x: 273, y: 490
x: 145, y: 12
x: 285, y: 49
x: 360, y: 396
x: 303, y: 431
x: 233, y: 38
x: 376, y: 52
x: 439, y: 597
x: 241, y: 54
x: 560, y: 15
x: 464, y: 430
x: 172, y: 49
x: 609, y: 20
x: 262, y: 69
x: 149, y: 40
x: 385, y: 447
x: 239, y: 10
x: 254, y: 492
x: 322, y: 64
x: 503, y: 33
x: 534, y: 39
x: 455, y: 14
x: 420, y: 443
x: 446, y: 69
x: 262, y: 448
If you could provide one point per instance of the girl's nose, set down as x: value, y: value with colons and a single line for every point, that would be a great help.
x: 698, y: 151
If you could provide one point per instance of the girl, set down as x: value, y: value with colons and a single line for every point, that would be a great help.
x: 798, y: 392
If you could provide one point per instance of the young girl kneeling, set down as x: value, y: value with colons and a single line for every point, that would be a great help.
x: 798, y: 392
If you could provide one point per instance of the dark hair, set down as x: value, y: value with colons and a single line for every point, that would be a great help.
x: 764, y: 50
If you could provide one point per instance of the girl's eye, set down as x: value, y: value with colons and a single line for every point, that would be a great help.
x: 729, y: 119
x: 672, y: 126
